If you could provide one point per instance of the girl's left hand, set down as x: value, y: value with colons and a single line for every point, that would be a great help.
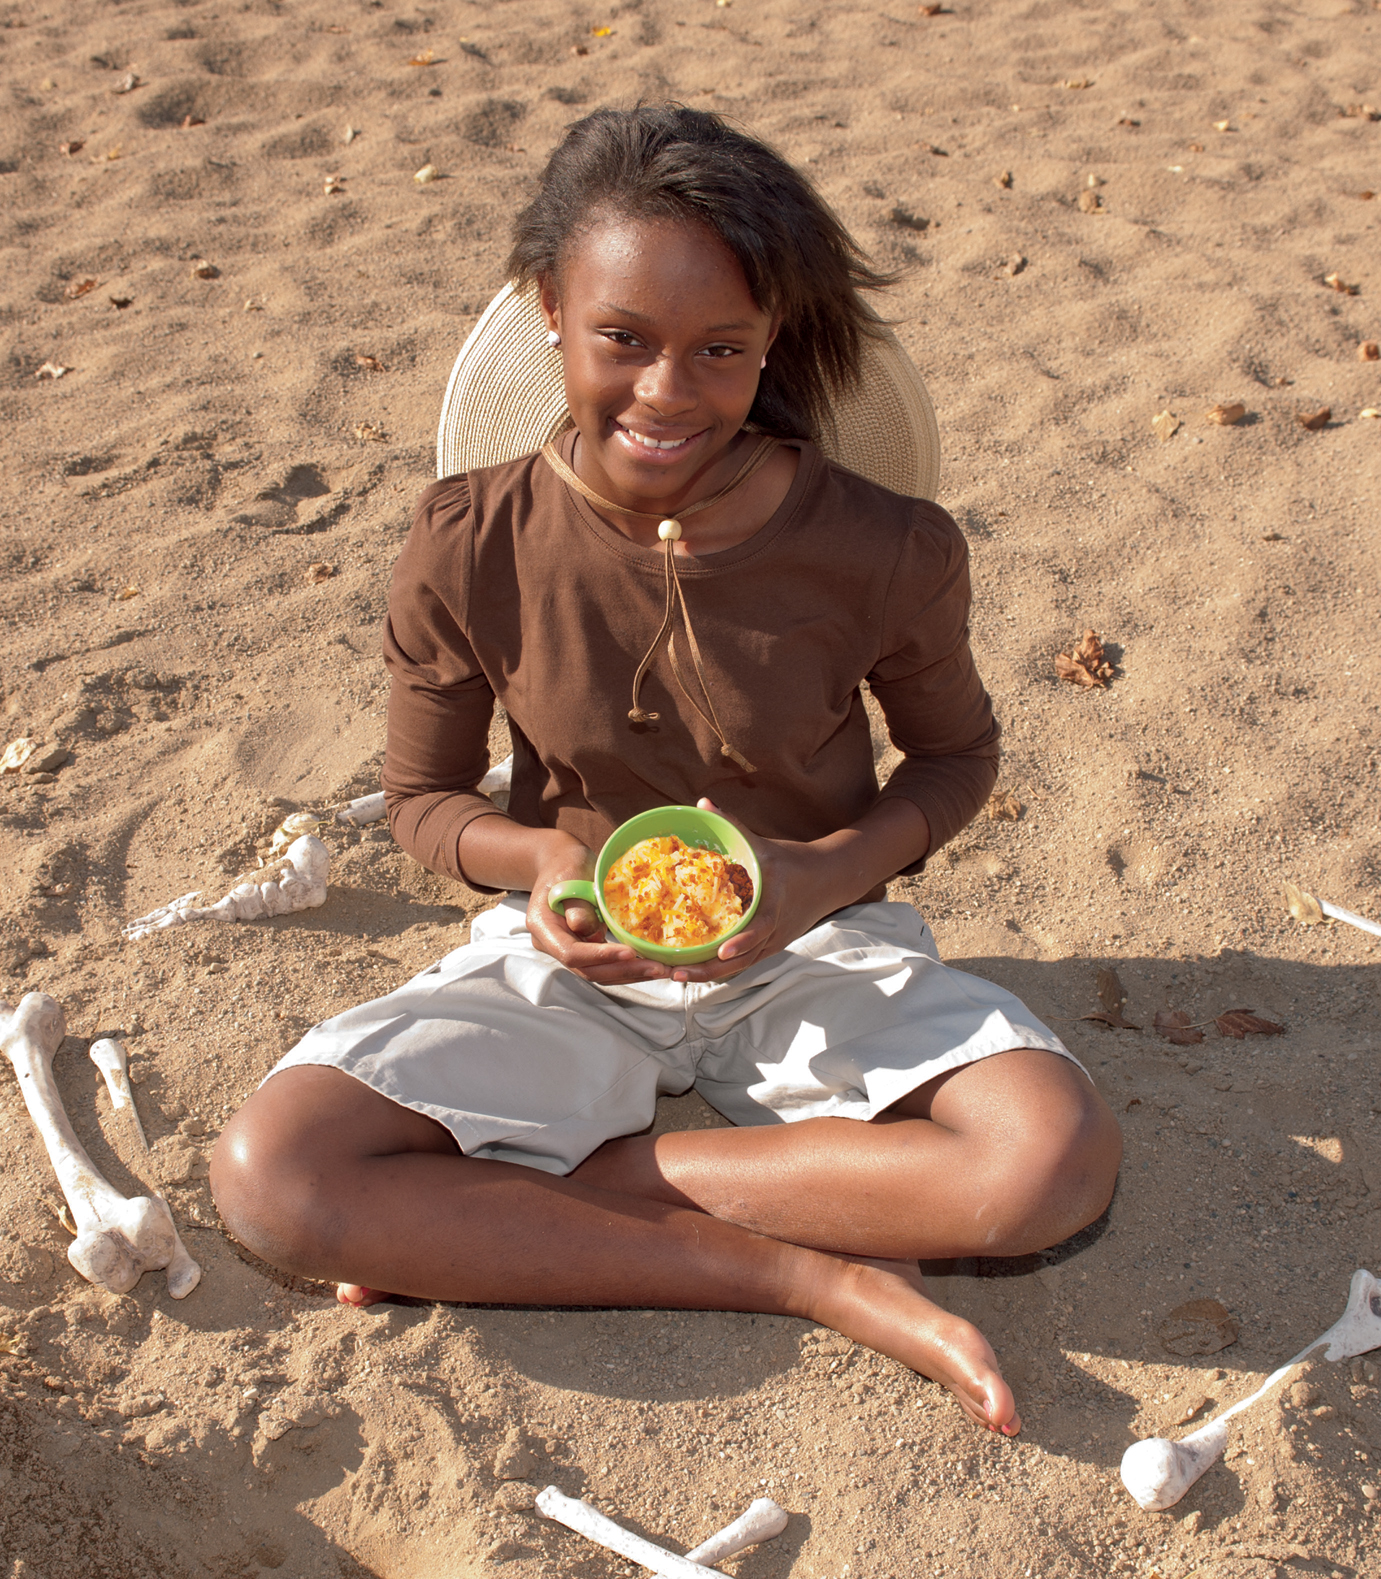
x: 799, y: 886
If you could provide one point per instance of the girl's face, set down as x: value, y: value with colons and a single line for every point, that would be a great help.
x: 662, y: 344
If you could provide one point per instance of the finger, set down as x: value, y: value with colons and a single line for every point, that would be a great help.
x: 624, y: 974
x: 580, y: 918
x: 706, y: 804
x: 720, y: 969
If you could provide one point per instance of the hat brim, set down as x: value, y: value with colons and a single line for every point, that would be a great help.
x: 506, y: 398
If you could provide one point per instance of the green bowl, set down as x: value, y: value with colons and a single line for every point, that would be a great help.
x: 705, y: 830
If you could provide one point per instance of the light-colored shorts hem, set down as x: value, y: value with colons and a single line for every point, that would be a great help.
x: 523, y: 1061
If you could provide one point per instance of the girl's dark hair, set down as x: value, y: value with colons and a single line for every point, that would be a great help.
x: 664, y: 161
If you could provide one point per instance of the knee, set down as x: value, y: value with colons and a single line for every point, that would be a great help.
x: 263, y: 1185
x: 1059, y: 1165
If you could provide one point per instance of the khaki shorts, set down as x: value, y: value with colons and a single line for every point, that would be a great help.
x: 523, y: 1061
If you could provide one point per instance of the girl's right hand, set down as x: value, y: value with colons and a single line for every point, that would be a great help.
x: 577, y: 939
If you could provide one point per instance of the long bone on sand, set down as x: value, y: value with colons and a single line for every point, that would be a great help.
x: 1158, y: 1472
x: 295, y: 881
x: 109, y: 1057
x: 118, y: 1239
x: 763, y: 1520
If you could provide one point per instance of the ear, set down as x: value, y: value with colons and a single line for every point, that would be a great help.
x: 772, y: 333
x: 551, y: 307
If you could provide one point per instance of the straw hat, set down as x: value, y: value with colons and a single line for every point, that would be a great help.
x: 505, y: 398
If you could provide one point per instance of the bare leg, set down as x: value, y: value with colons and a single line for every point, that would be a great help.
x: 1001, y: 1157
x: 320, y: 1175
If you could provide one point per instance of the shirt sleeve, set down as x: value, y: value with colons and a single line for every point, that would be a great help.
x: 938, y: 714
x: 440, y: 700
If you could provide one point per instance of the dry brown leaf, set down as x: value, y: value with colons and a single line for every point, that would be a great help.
x: 1133, y: 1102
x: 1174, y: 1025
x: 1004, y: 807
x: 1090, y: 202
x: 369, y: 433
x: 1241, y: 1023
x: 426, y: 58
x: 1314, y: 420
x: 1226, y: 416
x: 1366, y: 196
x: 1200, y: 1326
x: 1112, y: 995
x: 1337, y: 283
x: 51, y: 370
x: 119, y: 303
x: 320, y: 571
x: 1086, y: 665
x: 333, y: 184
x: 75, y: 146
x: 1166, y: 425
x: 82, y: 287
x: 1369, y: 351
x: 202, y: 270
x: 371, y: 364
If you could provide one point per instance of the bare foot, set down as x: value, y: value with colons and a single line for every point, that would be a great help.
x: 358, y: 1295
x: 884, y: 1304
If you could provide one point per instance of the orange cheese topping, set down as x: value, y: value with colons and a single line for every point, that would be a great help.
x: 668, y: 892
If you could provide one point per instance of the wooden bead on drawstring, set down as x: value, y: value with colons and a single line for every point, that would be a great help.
x: 669, y: 531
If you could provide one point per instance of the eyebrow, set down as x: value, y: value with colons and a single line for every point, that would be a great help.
x: 627, y: 312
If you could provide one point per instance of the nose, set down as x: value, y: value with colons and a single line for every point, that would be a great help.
x: 665, y: 387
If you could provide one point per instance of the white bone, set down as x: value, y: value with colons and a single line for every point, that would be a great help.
x: 291, y: 828
x: 118, y: 1240
x: 296, y: 881
x: 364, y: 809
x: 499, y: 777
x: 1158, y: 1472
x: 109, y: 1057
x: 762, y: 1521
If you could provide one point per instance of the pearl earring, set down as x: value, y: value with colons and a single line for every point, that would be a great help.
x: 553, y: 339
x: 763, y: 363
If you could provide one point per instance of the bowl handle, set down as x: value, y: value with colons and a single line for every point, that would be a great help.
x: 572, y: 888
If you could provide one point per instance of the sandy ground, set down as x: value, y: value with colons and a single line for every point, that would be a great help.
x: 1179, y: 180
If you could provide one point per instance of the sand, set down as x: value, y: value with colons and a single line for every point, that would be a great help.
x: 1102, y: 212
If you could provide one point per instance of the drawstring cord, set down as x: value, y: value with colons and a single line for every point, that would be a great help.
x: 669, y: 530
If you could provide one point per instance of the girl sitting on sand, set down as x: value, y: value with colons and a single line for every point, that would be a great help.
x: 474, y: 1136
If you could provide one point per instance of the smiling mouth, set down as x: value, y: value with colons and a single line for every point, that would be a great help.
x: 661, y: 445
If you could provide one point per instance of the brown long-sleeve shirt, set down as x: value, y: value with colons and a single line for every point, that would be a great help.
x: 511, y: 587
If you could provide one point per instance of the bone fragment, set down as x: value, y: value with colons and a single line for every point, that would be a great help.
x: 499, y: 778
x: 763, y: 1520
x: 291, y: 828
x: 109, y: 1057
x: 296, y: 881
x: 1158, y: 1472
x: 118, y: 1240
x: 1309, y: 911
x: 362, y: 810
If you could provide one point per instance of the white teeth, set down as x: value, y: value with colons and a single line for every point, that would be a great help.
x: 655, y: 444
